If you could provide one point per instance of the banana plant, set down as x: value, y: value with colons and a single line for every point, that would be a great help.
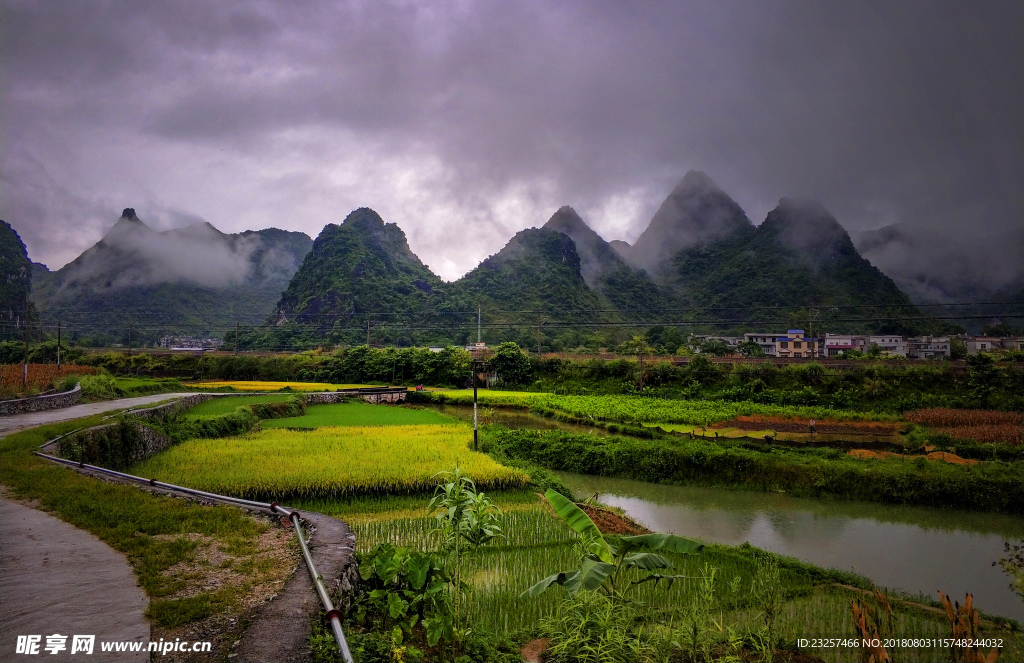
x: 606, y: 557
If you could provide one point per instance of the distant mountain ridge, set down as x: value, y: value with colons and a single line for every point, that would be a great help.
x: 700, y: 259
x: 194, y: 277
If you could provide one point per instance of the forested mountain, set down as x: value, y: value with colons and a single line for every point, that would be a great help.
x: 361, y: 282
x: 696, y: 212
x: 799, y: 261
x: 15, y: 280
x: 627, y: 289
x: 359, y: 277
x: 195, y: 280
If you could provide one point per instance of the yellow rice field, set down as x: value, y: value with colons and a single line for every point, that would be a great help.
x: 254, y: 385
x: 280, y: 464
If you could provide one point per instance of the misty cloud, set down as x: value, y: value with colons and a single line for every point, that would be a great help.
x: 132, y: 254
x: 473, y: 120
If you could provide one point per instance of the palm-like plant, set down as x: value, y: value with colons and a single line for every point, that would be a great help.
x: 607, y: 557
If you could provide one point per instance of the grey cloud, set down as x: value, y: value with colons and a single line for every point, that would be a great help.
x: 886, y: 112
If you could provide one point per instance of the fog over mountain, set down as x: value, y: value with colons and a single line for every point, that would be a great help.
x: 469, y: 121
x: 939, y: 268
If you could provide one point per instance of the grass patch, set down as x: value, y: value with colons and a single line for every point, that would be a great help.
x: 360, y: 414
x: 282, y: 464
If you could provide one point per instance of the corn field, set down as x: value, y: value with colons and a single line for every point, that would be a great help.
x: 40, y: 377
x: 984, y: 426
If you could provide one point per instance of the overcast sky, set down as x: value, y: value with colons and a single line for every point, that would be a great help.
x: 464, y: 121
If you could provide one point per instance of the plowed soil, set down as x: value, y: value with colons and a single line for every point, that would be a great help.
x: 610, y: 522
x: 866, y: 454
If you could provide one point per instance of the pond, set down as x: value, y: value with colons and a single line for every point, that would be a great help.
x: 915, y: 549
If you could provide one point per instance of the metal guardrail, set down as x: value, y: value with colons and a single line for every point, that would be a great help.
x: 333, y: 615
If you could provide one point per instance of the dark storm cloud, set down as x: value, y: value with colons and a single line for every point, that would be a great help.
x: 476, y: 119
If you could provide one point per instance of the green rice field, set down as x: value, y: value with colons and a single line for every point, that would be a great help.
x: 280, y: 464
x: 537, y: 544
x: 220, y: 406
x: 359, y: 414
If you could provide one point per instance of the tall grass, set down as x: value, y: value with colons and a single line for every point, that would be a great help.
x: 328, y: 462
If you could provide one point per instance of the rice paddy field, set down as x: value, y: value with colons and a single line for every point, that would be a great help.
x: 254, y: 385
x: 375, y: 466
x: 360, y: 414
x: 536, y: 544
x: 341, y: 461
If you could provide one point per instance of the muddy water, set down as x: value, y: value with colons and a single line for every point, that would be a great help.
x: 916, y: 549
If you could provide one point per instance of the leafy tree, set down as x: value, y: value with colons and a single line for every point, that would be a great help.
x: 702, y: 370
x: 750, y: 349
x: 1001, y: 330
x: 957, y: 348
x: 638, y: 346
x: 511, y: 365
x: 714, y: 347
x: 983, y: 377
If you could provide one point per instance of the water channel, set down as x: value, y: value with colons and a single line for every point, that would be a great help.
x: 915, y: 549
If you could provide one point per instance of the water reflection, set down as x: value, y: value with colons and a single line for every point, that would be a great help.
x: 911, y: 548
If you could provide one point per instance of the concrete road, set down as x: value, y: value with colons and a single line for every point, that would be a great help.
x: 58, y: 579
x: 18, y: 422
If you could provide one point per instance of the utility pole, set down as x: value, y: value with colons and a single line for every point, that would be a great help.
x: 24, y: 366
x: 236, y: 337
x: 478, y: 311
x: 367, y: 333
x: 538, y: 337
x: 476, y: 434
x: 58, y: 344
x: 130, y: 339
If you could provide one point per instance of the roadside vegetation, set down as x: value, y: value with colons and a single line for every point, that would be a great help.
x: 202, y: 567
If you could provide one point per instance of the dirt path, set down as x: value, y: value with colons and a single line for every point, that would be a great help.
x: 18, y: 422
x: 58, y: 579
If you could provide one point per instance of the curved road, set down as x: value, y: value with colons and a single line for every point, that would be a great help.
x: 58, y: 579
x: 18, y: 422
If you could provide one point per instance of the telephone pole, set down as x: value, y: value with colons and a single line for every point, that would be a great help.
x: 24, y: 366
x: 130, y: 339
x: 236, y: 338
x: 58, y: 344
x: 476, y: 434
x: 478, y: 311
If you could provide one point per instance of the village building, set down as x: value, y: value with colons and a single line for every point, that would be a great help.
x: 928, y: 347
x: 837, y: 345
x: 976, y: 344
x: 890, y: 345
x: 795, y: 345
x: 766, y: 341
